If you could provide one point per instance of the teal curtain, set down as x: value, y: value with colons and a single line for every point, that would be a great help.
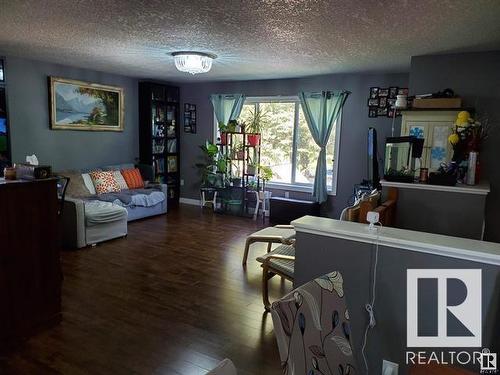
x: 321, y: 110
x: 227, y: 107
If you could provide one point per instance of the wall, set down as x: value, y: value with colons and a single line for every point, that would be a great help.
x: 317, y: 255
x: 352, y: 158
x: 476, y: 78
x: 29, y: 119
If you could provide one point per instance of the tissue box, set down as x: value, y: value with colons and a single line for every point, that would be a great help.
x: 33, y: 172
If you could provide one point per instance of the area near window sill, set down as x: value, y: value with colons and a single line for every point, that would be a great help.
x: 297, y: 188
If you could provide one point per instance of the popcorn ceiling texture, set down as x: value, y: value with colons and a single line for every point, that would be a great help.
x: 253, y: 39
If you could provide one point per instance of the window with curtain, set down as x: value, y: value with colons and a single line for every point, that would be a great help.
x: 287, y: 145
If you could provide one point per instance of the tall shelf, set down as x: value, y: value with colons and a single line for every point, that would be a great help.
x: 159, y: 134
x: 4, y: 121
x: 243, y: 160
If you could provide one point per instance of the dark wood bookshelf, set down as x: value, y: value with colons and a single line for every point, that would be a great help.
x: 159, y: 126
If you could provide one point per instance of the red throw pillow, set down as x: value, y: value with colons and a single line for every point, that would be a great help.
x: 133, y: 178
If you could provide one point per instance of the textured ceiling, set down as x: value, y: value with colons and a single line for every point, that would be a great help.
x: 253, y: 39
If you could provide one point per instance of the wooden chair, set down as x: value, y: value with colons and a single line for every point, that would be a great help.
x: 270, y: 235
x: 281, y: 262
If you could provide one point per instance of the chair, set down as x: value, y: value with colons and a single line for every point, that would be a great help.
x: 312, y: 328
x: 277, y: 234
x: 280, y: 261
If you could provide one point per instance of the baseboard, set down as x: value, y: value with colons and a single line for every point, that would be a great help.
x: 193, y: 202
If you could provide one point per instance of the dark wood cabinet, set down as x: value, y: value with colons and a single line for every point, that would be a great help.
x: 30, y: 267
x: 159, y: 132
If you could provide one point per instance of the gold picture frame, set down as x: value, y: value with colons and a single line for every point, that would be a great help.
x: 79, y: 105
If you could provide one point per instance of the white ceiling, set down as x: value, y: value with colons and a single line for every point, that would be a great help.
x: 253, y: 39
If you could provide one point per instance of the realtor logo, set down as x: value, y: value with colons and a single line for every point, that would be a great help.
x: 488, y: 361
x: 443, y: 308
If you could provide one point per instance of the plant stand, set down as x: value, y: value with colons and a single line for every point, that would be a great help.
x: 204, y: 192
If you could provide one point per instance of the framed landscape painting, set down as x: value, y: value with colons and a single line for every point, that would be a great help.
x: 77, y: 105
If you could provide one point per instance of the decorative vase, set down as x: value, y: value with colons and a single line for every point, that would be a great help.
x: 253, y: 139
x: 251, y: 170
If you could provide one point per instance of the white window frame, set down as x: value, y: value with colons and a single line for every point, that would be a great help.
x: 300, y: 187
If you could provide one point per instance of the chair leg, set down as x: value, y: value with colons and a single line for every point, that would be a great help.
x: 269, y: 246
x: 245, y: 254
x: 265, y: 289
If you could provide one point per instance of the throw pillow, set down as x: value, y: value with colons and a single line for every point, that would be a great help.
x: 133, y: 178
x: 76, y: 187
x: 89, y: 184
x: 104, y: 182
x: 120, y: 180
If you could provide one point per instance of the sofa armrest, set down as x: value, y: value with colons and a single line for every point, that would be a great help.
x: 73, y: 223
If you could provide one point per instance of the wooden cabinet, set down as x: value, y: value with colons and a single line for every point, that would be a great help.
x: 159, y: 134
x: 30, y: 267
x: 435, y: 127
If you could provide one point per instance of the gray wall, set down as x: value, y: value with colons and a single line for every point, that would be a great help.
x: 63, y: 149
x: 352, y: 158
x: 476, y: 78
x: 318, y: 255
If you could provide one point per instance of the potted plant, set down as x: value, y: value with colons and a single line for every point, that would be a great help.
x: 223, y: 133
x: 255, y: 127
x: 265, y: 173
x: 238, y: 152
x: 251, y: 168
x: 213, y: 167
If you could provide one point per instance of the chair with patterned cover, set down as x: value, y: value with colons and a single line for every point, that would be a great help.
x: 312, y: 329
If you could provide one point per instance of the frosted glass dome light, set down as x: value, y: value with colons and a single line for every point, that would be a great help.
x: 193, y: 62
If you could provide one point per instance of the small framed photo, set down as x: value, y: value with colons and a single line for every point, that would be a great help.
x: 403, y: 91
x: 391, y: 102
x: 372, y: 112
x: 393, y: 91
x: 383, y: 92
x: 382, y: 111
x: 373, y: 102
x: 382, y: 102
x: 373, y: 92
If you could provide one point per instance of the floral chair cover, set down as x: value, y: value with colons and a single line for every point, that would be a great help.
x: 312, y: 328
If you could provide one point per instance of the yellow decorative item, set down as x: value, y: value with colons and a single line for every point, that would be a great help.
x: 462, y: 118
x: 453, y: 138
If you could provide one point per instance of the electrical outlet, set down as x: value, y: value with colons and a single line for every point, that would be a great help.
x: 182, y: 182
x: 287, y: 194
x: 389, y: 368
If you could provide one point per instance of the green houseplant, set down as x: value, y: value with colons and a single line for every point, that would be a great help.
x: 255, y: 126
x: 213, y: 167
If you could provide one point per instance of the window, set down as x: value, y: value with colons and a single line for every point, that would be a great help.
x: 287, y: 145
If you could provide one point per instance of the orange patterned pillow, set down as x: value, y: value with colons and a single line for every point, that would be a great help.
x: 104, y: 182
x: 133, y: 178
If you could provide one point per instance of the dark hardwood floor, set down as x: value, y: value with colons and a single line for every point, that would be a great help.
x: 171, y: 298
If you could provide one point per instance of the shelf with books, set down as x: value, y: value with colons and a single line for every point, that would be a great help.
x: 159, y: 141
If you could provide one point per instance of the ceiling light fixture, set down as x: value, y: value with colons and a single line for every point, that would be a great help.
x: 193, y: 62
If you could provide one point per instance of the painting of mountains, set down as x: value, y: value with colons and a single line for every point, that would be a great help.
x: 77, y: 105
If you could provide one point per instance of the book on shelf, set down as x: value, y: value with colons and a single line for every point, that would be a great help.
x: 172, y: 145
x: 172, y: 164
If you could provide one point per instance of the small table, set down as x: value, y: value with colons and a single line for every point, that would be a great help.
x: 270, y: 235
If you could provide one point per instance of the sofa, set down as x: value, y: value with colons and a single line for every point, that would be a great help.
x: 89, y: 218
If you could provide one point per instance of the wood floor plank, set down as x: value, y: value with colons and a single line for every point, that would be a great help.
x: 171, y: 298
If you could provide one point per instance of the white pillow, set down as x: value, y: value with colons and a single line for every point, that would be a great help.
x: 120, y: 180
x: 87, y: 180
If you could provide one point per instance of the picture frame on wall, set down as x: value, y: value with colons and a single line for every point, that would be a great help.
x: 383, y: 92
x: 381, y: 101
x: 80, y: 105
